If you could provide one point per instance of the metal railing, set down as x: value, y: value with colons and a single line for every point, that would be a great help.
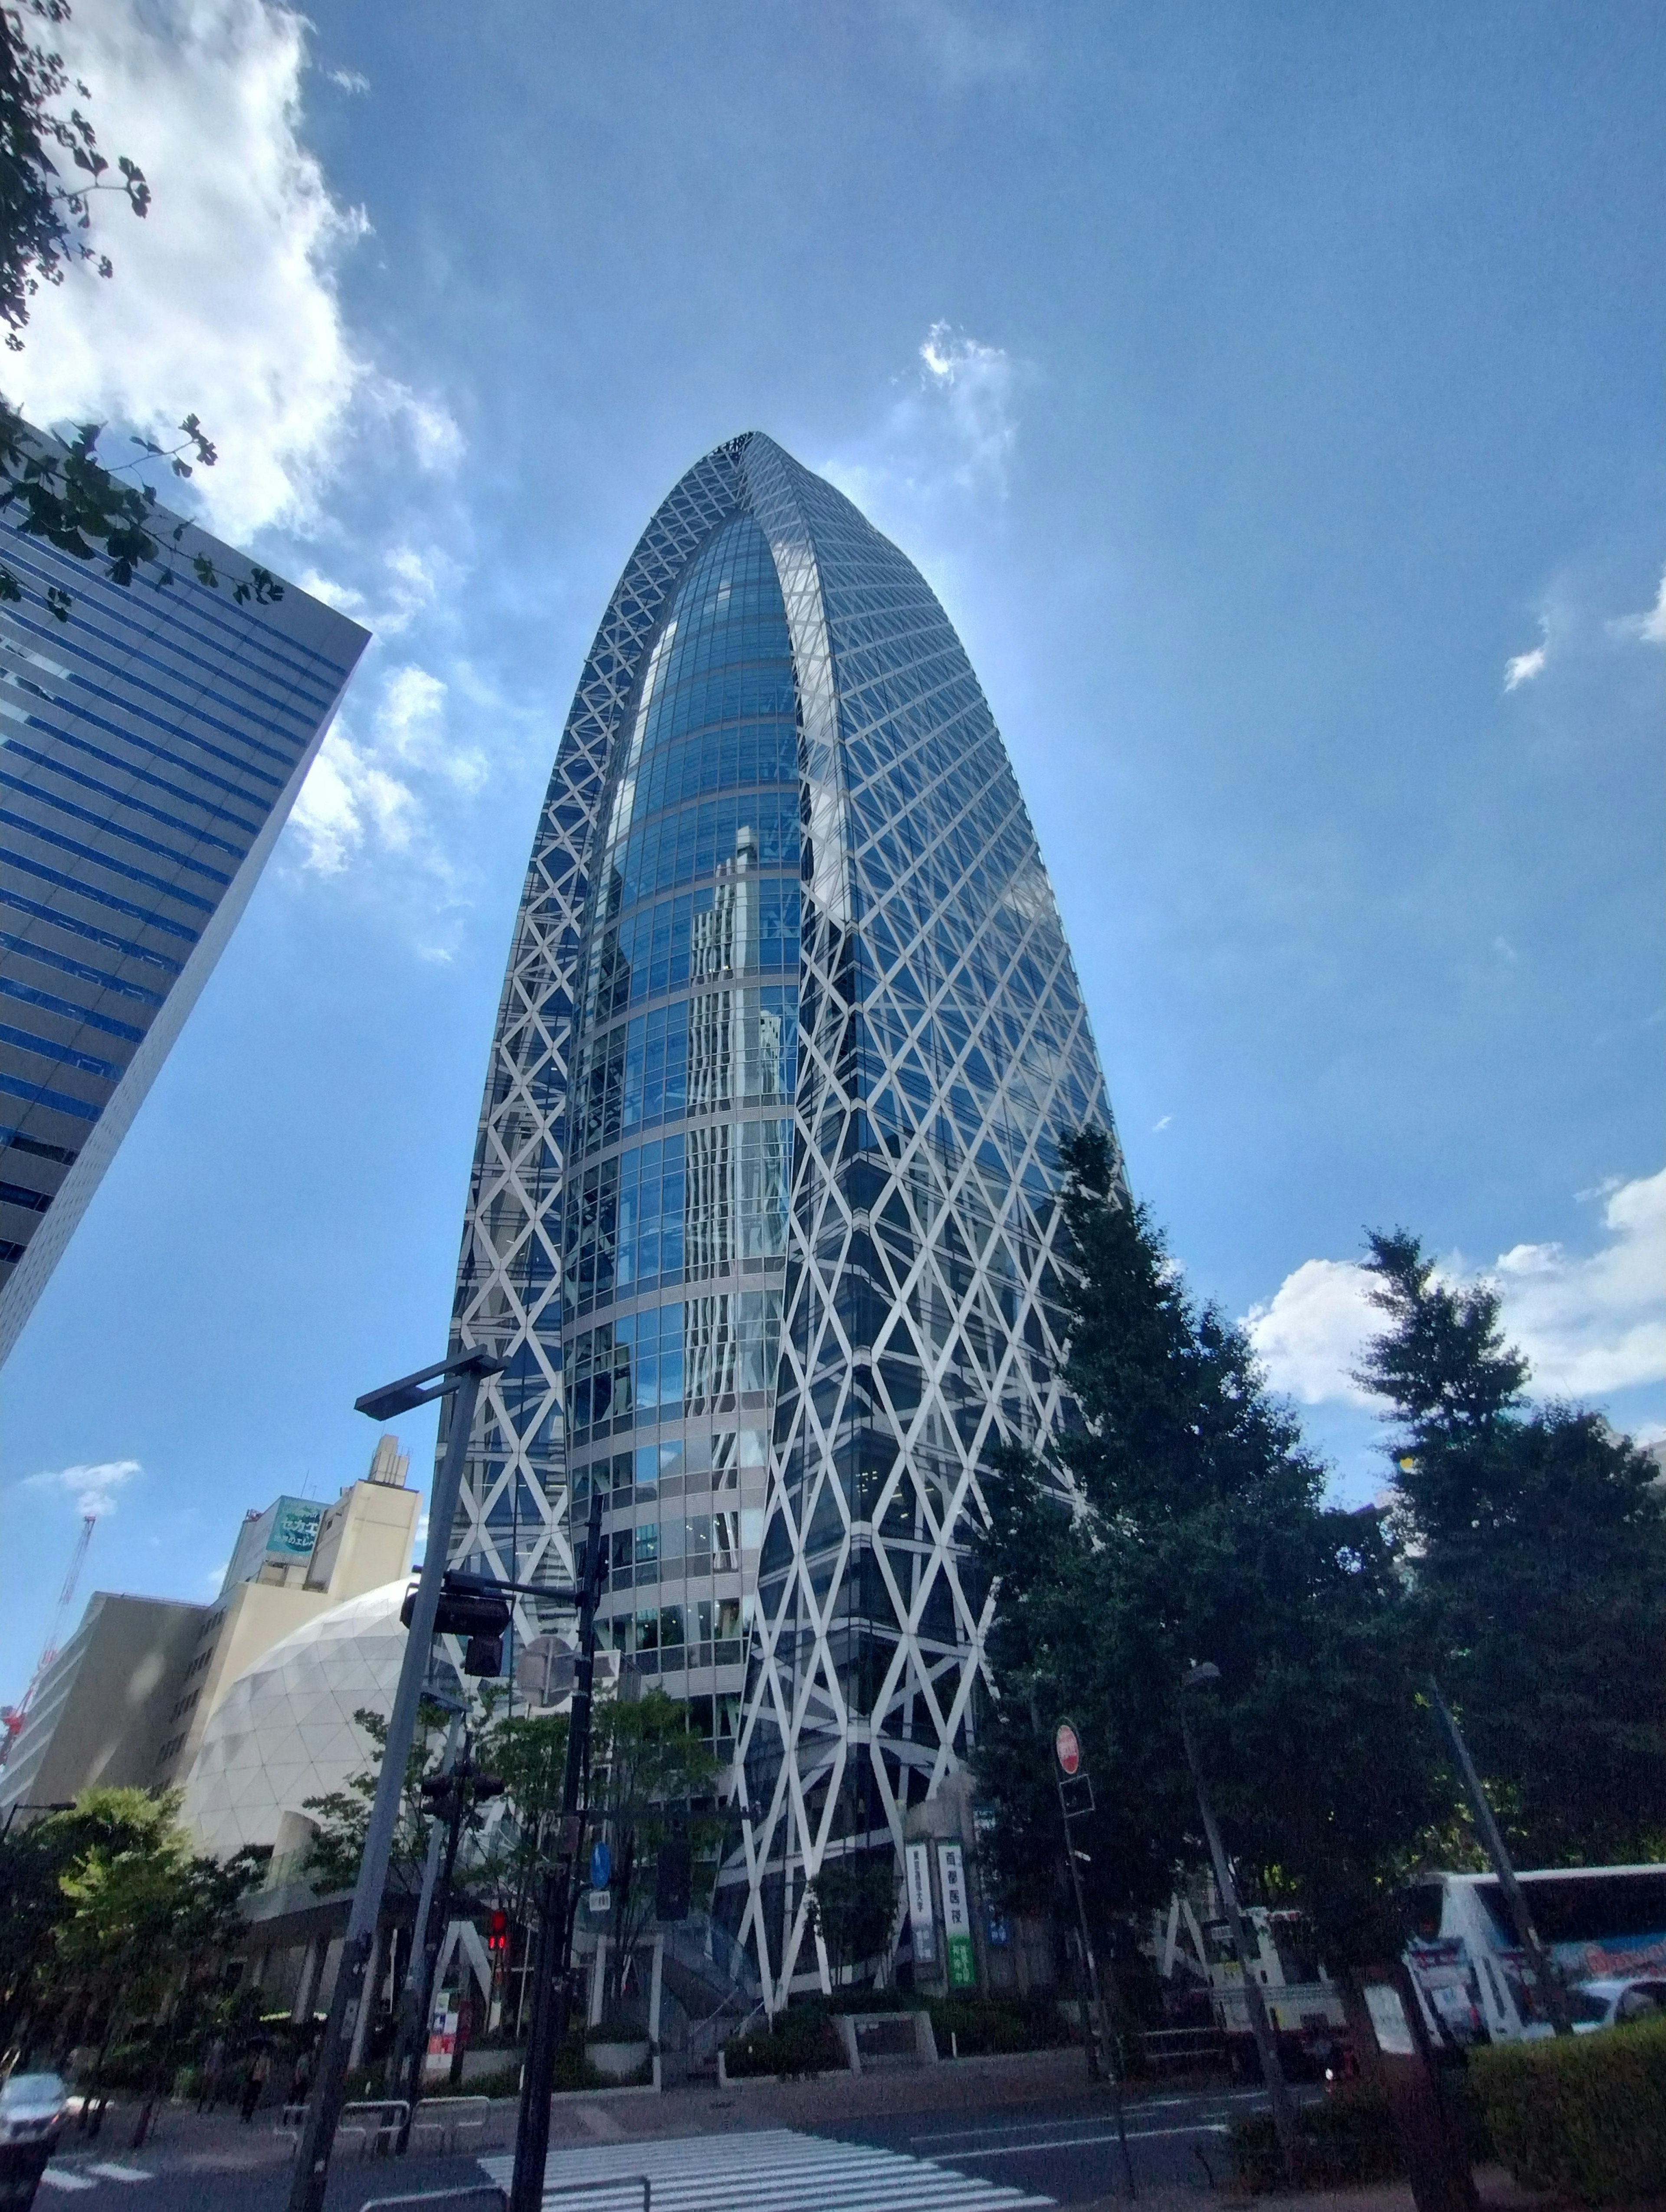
x: 499, y: 2196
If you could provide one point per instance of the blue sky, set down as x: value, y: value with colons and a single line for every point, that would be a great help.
x: 1273, y: 396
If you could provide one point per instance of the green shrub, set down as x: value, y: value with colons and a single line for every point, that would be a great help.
x: 504, y: 2082
x: 979, y: 2026
x: 1586, y: 2115
x: 802, y: 2040
x: 1351, y: 2136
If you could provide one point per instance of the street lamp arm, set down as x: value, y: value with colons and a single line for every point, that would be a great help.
x: 403, y: 1396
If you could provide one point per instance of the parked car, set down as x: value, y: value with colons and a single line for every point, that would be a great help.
x: 1613, y: 2001
x: 33, y: 2107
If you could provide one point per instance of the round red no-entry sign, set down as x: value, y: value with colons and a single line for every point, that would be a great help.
x: 1067, y: 1748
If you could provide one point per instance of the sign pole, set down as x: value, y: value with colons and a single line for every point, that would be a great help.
x: 1068, y: 1767
x: 552, y: 1984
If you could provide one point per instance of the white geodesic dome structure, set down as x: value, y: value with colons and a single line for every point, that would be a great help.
x: 284, y: 1731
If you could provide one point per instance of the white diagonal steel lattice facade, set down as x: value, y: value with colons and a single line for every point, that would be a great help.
x: 783, y: 858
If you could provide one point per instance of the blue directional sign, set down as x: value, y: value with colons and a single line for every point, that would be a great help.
x: 601, y: 1865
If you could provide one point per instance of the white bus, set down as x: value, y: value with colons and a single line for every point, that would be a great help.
x: 1594, y: 1921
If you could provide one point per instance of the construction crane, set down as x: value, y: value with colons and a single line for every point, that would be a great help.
x: 12, y: 1717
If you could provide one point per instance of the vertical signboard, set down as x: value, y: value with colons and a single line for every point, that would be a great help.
x: 920, y: 1904
x: 957, y: 1919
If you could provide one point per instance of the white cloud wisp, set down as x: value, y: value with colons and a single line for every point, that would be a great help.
x: 90, y: 1489
x: 1588, y: 1324
x: 224, y: 301
x: 1649, y: 628
x: 950, y: 433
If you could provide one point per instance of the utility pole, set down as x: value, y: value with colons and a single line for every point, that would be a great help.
x: 552, y: 1981
x: 461, y: 1378
x: 419, y: 1974
x: 1551, y: 1992
x: 1068, y: 1767
x: 1267, y: 2049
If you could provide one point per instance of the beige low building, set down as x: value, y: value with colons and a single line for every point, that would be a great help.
x: 358, y: 1544
x: 102, y: 1708
x: 128, y: 1699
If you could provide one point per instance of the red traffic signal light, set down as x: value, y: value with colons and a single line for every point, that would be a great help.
x: 497, y: 1932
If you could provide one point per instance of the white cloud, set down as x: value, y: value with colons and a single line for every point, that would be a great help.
x: 1648, y: 629
x: 1588, y: 1324
x: 1525, y: 667
x: 1163, y: 1124
x: 347, y: 801
x: 972, y: 383
x: 968, y: 45
x: 949, y: 433
x: 1309, y: 1333
x: 412, y: 579
x: 224, y: 301
x: 1598, y: 1323
x: 349, y: 80
x: 90, y: 1489
x: 381, y: 799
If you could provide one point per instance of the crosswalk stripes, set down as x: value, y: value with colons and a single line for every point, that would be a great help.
x: 773, y: 2170
x: 69, y: 2179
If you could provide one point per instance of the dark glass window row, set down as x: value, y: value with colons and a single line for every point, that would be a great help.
x: 15, y: 1140
x: 235, y: 651
x: 699, y: 1349
x: 104, y: 861
x: 697, y: 1464
x: 238, y: 791
x: 626, y: 1366
x: 210, y: 620
x: 64, y: 1055
x: 27, y: 993
x: 756, y: 689
x: 676, y: 847
x: 31, y: 1202
x: 714, y: 759
x: 193, y: 829
x: 26, y: 949
x: 659, y: 947
x: 700, y: 1203
x: 110, y: 825
x: 37, y: 1094
x: 75, y: 927
x: 123, y: 672
x: 637, y: 1076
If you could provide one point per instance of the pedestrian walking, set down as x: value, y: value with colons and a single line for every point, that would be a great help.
x: 214, y: 2067
x: 255, y: 2081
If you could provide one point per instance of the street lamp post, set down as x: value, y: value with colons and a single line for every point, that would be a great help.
x: 1267, y: 2049
x: 1551, y: 1992
x: 552, y: 1990
x: 460, y: 1378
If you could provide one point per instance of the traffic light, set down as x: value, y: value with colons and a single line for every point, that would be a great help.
x: 448, y: 1795
x: 470, y: 1605
x: 497, y: 1936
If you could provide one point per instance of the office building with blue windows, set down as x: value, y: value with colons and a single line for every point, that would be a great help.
x: 763, y: 1207
x: 151, y: 746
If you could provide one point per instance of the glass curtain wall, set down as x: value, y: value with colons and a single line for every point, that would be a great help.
x: 764, y: 1201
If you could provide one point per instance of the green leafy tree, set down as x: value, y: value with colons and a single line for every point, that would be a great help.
x: 854, y: 1904
x: 647, y: 1768
x: 45, y: 216
x: 1183, y: 1520
x: 1538, y: 1541
x: 342, y: 1816
x: 118, y: 1940
x: 34, y: 1857
x: 50, y: 169
x: 529, y: 1755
